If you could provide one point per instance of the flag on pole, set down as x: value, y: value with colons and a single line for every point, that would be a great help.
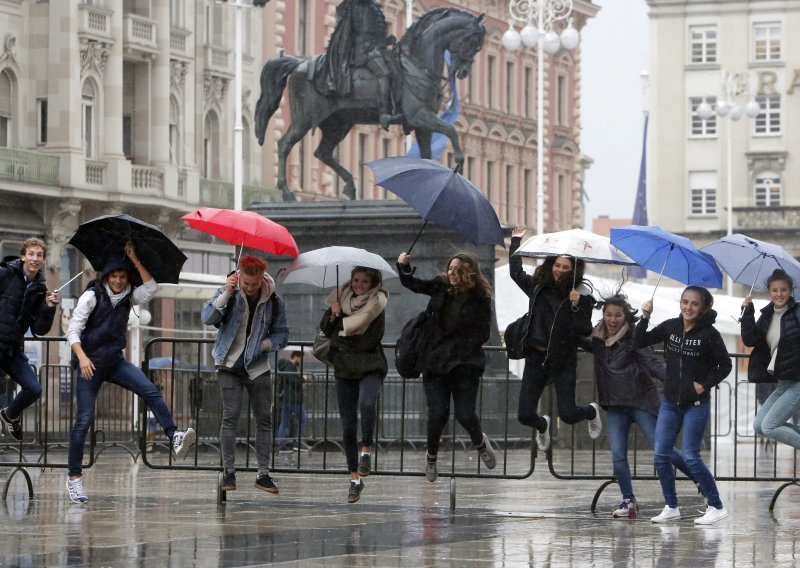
x: 449, y: 115
x: 640, y: 205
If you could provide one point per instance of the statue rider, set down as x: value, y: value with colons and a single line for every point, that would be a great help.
x: 360, y: 40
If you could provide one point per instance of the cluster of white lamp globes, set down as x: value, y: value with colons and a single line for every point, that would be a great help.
x: 529, y: 37
x: 728, y: 108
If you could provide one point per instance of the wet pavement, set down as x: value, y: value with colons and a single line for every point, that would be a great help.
x: 139, y: 516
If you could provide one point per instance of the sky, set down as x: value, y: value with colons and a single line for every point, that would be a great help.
x: 614, y: 51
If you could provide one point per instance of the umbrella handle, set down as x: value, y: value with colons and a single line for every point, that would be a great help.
x: 417, y: 237
x: 69, y: 281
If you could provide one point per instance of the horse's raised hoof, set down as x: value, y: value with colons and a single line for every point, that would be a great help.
x: 288, y: 196
x: 349, y: 190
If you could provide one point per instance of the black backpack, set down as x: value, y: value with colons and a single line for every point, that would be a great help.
x: 412, y: 345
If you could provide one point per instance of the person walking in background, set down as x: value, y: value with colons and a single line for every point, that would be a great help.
x: 25, y: 303
x: 560, y: 313
x: 461, y: 315
x: 697, y: 361
x: 291, y: 386
x: 355, y: 321
x: 626, y: 389
x: 252, y: 324
x: 98, y: 335
x: 775, y: 339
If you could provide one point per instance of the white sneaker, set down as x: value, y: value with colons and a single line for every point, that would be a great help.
x: 668, y: 514
x: 543, y: 438
x: 711, y: 516
x: 182, y: 441
x: 595, y: 424
x: 76, y: 492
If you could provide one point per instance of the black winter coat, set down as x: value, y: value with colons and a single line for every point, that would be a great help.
x: 696, y: 356
x: 626, y: 376
x: 553, y: 323
x: 754, y: 334
x: 356, y: 355
x: 463, y: 345
x: 21, y: 307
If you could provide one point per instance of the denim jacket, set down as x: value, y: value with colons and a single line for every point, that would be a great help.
x: 267, y: 334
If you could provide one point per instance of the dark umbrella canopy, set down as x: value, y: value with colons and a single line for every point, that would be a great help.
x: 440, y: 195
x: 104, y: 238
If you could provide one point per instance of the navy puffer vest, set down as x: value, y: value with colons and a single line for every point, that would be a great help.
x: 105, y: 335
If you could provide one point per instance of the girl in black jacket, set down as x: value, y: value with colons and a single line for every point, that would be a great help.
x: 775, y: 338
x: 559, y: 315
x: 461, y: 314
x: 697, y: 361
x: 355, y: 322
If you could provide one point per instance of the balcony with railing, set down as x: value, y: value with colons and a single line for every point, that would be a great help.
x: 218, y: 193
x: 766, y: 218
x: 179, y: 44
x: 25, y: 166
x: 94, y: 23
x: 139, y: 34
x: 147, y: 180
x: 218, y: 61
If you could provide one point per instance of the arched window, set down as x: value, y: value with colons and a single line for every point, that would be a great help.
x: 6, y: 106
x: 211, y: 146
x: 174, y: 132
x: 247, y: 174
x: 88, y: 119
x: 768, y: 189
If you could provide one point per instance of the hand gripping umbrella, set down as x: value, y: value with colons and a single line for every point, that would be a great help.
x: 750, y: 262
x: 440, y: 195
x: 104, y: 237
x: 668, y: 254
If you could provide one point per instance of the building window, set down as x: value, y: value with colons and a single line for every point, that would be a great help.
x: 703, y: 44
x: 211, y: 146
x: 509, y: 179
x: 302, y: 23
x: 703, y: 128
x: 509, y: 86
x: 768, y: 190
x: 769, y: 121
x: 703, y: 187
x: 490, y: 81
x: 489, y: 176
x: 176, y: 13
x: 6, y: 106
x: 470, y: 168
x: 526, y: 96
x: 88, y: 125
x: 526, y: 191
x: 561, y: 100
x: 174, y: 143
x: 41, y: 121
x: 767, y: 41
x: 127, y: 136
x: 362, y: 168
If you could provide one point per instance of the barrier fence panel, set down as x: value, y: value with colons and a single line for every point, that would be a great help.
x: 183, y: 370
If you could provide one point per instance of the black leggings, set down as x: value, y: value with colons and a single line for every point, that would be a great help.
x: 462, y: 383
x: 357, y: 396
x: 535, y: 379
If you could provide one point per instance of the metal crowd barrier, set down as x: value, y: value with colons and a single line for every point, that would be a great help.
x: 183, y: 370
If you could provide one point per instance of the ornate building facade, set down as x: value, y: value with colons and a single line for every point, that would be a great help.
x: 497, y: 123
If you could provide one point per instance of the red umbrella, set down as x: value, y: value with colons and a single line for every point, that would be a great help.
x: 244, y: 228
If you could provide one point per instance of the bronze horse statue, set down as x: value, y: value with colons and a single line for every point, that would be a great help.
x: 418, y: 87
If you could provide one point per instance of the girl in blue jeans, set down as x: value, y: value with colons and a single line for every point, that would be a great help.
x: 697, y: 361
x: 626, y: 389
x: 775, y: 339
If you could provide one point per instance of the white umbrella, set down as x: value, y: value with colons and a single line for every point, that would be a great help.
x: 576, y: 243
x: 321, y: 267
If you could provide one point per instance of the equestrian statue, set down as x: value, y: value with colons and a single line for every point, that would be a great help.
x: 366, y: 77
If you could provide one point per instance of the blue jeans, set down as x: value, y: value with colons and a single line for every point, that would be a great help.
x: 619, y: 420
x: 693, y: 421
x: 773, y: 417
x: 232, y: 386
x: 19, y: 369
x: 127, y: 376
x: 288, y: 410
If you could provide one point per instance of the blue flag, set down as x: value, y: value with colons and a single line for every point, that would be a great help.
x: 640, y: 206
x: 449, y: 115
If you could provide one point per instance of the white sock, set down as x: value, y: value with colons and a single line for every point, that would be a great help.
x: 356, y: 481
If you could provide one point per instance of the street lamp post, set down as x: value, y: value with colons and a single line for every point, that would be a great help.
x: 733, y: 87
x: 540, y: 34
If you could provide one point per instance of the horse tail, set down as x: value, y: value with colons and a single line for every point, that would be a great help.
x: 274, y: 75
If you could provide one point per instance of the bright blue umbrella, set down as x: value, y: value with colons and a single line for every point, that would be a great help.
x: 750, y: 261
x: 668, y: 254
x: 440, y: 195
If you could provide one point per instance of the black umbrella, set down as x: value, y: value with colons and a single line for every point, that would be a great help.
x: 104, y: 237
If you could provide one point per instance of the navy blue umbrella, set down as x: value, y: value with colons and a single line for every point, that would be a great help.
x: 668, y: 254
x: 440, y: 195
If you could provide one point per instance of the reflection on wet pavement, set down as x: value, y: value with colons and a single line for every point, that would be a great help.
x: 143, y: 517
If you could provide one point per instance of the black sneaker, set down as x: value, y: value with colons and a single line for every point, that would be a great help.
x: 355, y: 491
x: 364, y: 465
x: 14, y: 427
x: 228, y: 482
x: 265, y: 483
